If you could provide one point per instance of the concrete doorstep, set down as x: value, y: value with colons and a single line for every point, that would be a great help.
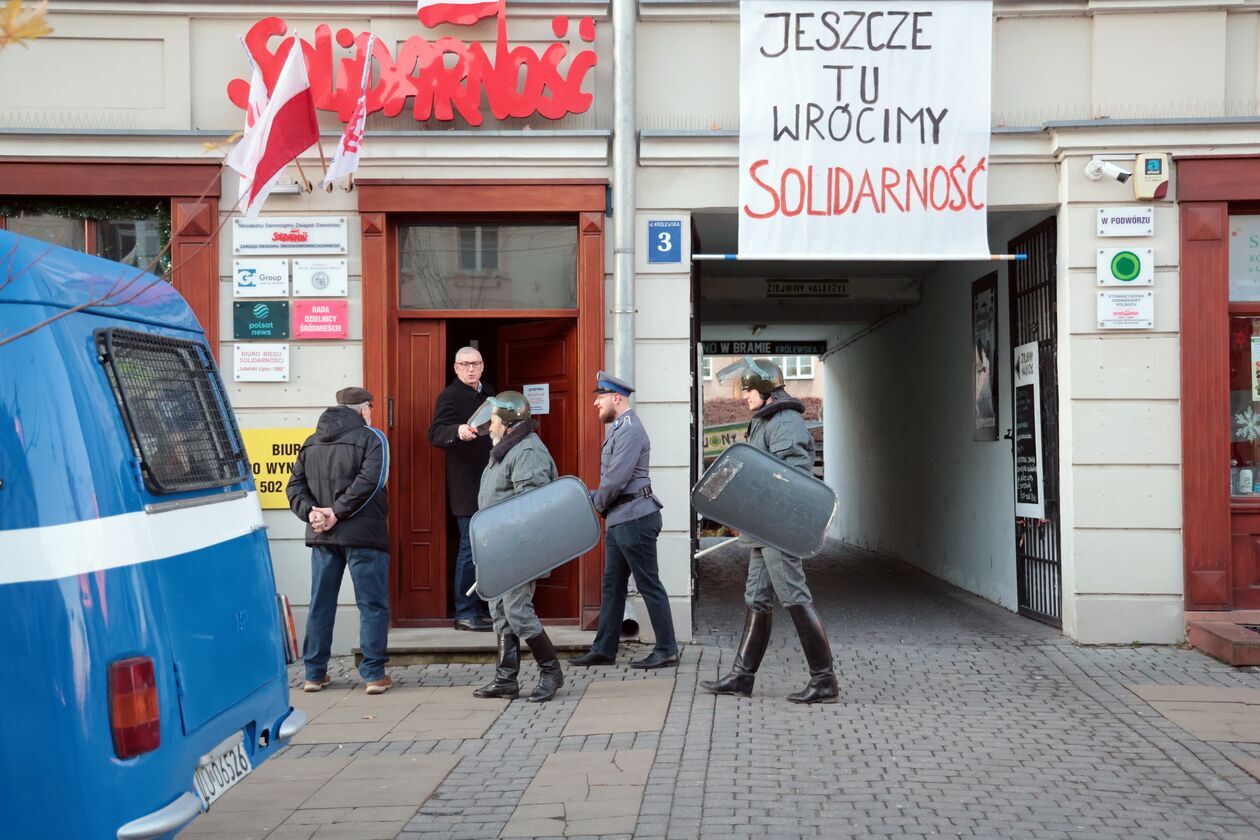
x: 439, y: 645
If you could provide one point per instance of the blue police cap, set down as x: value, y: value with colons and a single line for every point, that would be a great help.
x: 606, y: 383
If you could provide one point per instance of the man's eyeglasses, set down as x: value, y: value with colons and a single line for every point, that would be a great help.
x: 469, y: 365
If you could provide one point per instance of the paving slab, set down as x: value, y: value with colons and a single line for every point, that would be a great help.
x: 1250, y: 764
x: 1197, y: 694
x: 560, y: 802
x: 405, y: 713
x: 1236, y: 722
x: 614, y: 706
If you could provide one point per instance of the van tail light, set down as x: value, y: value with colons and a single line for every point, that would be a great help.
x: 287, y: 630
x: 133, y: 707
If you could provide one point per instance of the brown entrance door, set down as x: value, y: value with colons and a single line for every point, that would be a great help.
x: 419, y: 519
x: 545, y: 352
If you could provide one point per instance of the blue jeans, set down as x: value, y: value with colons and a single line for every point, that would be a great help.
x: 369, y: 572
x: 467, y: 607
x: 631, y: 547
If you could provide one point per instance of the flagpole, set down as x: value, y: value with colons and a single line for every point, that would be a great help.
x: 305, y: 181
x: 319, y: 144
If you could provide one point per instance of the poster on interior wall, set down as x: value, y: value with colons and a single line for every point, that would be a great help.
x: 984, y: 359
x: 864, y: 129
x: 1244, y: 257
x: 289, y: 235
x: 1255, y: 368
x: 1029, y: 471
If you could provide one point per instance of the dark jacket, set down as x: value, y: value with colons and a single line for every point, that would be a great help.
x: 520, y: 462
x: 343, y: 466
x: 464, y: 459
x: 778, y: 427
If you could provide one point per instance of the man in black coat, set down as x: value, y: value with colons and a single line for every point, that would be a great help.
x: 338, y: 489
x: 466, y: 457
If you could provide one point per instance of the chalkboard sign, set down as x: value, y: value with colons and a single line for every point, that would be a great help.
x: 1029, y: 479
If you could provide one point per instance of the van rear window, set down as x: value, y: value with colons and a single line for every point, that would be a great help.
x: 175, y: 409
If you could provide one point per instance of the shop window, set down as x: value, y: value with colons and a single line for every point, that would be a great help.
x: 798, y: 367
x: 487, y: 266
x: 706, y: 367
x: 129, y: 231
x: 1244, y: 355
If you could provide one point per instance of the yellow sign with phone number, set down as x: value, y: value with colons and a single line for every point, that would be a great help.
x: 271, y: 455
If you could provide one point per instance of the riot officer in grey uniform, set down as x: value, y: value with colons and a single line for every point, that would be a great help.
x: 778, y: 427
x: 519, y: 461
x: 633, y: 516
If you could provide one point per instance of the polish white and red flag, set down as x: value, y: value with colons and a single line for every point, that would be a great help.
x: 346, y: 159
x: 286, y: 128
x: 254, y: 108
x: 459, y: 12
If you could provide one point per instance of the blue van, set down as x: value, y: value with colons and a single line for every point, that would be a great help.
x: 144, y: 645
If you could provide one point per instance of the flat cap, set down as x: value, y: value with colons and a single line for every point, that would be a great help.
x: 606, y: 383
x: 354, y: 396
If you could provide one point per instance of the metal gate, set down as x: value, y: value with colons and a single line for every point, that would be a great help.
x: 1034, y: 317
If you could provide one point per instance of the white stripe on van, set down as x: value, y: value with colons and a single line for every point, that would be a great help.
x: 93, y: 545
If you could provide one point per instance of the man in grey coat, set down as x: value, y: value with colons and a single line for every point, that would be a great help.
x: 633, y: 516
x: 777, y: 427
x: 519, y: 461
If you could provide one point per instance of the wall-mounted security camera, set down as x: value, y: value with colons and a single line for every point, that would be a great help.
x: 1097, y: 169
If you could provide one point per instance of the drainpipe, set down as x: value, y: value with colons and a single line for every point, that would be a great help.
x: 624, y: 160
x: 624, y: 14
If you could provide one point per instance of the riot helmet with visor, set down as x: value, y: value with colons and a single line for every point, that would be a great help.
x: 760, y: 375
x: 510, y: 406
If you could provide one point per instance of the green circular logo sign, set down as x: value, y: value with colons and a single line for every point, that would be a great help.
x: 1126, y: 266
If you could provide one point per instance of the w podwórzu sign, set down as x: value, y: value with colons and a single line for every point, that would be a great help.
x: 864, y: 128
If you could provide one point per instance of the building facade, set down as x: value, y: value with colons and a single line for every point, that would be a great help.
x: 484, y: 219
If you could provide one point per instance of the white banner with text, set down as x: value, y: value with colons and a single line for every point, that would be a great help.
x: 864, y: 128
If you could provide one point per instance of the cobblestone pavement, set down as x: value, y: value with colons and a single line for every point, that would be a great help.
x: 957, y: 719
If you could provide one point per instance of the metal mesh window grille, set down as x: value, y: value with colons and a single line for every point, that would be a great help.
x: 176, y: 412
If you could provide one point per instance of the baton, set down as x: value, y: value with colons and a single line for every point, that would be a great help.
x: 711, y: 548
x: 472, y: 589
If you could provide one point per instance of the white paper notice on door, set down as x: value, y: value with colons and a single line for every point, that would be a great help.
x: 539, y: 398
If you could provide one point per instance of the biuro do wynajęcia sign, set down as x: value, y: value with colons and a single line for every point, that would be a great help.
x: 864, y: 126
x: 443, y: 77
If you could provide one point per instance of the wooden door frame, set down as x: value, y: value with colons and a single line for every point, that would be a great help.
x: 382, y: 202
x: 1208, y: 188
x: 193, y: 187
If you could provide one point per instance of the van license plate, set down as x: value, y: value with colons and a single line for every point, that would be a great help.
x: 228, y: 765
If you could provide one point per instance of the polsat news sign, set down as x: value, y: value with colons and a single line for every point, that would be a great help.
x: 864, y: 128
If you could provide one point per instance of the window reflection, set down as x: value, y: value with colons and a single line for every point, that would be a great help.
x: 487, y: 266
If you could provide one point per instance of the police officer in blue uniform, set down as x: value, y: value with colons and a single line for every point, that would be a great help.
x: 633, y: 522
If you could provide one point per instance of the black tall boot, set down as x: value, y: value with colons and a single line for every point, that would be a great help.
x: 508, y: 667
x: 752, y: 647
x: 550, y: 677
x: 822, y: 687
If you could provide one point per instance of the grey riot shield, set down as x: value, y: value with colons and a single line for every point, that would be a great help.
x: 767, y: 500
x: 526, y: 536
